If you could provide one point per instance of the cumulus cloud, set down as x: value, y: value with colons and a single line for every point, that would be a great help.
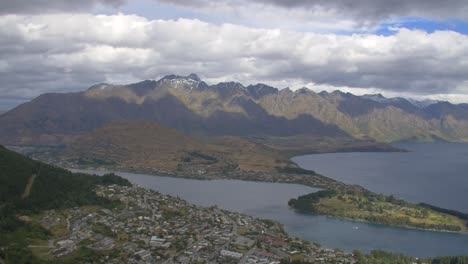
x: 46, y: 6
x: 60, y: 53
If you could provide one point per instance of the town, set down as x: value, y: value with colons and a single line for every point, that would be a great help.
x: 144, y: 226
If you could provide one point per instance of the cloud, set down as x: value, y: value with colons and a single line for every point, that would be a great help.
x: 301, y: 15
x: 47, y: 6
x: 63, y: 52
x: 364, y: 11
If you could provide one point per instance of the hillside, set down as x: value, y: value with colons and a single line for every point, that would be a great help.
x: 385, y: 120
x: 28, y: 187
x: 143, y: 145
x: 191, y: 106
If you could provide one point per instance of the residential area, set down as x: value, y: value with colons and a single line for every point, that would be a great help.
x: 145, y: 226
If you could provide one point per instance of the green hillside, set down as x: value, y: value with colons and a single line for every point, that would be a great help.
x: 376, y: 208
x: 27, y: 187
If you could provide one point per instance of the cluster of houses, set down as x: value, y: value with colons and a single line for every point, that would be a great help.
x: 149, y: 227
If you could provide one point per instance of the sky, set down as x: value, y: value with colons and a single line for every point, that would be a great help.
x: 408, y: 48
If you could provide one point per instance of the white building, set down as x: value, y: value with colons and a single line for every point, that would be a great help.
x: 231, y: 254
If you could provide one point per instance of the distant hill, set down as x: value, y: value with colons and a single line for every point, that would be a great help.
x: 139, y: 144
x: 191, y: 106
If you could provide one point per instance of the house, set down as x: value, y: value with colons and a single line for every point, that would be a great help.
x: 159, y: 242
x: 231, y: 254
x: 144, y: 255
x: 243, y: 242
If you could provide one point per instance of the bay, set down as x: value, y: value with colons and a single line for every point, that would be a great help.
x: 269, y: 200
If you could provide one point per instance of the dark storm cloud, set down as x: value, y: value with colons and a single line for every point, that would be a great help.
x: 46, y: 6
x: 376, y: 9
x: 366, y: 10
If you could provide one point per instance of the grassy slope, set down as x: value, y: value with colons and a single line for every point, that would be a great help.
x: 148, y: 145
x: 379, y: 209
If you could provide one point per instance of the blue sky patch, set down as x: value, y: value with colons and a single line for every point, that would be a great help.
x: 425, y: 25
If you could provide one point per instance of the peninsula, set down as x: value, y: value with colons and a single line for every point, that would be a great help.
x: 381, y: 209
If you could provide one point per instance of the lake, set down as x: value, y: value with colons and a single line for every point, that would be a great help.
x: 435, y: 173
x: 269, y: 200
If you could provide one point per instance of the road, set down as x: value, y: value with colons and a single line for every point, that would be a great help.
x: 29, y: 185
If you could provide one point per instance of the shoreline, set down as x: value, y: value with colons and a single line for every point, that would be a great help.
x: 312, y: 179
x: 247, y: 180
x: 380, y: 224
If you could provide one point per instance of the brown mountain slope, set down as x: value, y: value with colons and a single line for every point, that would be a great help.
x: 54, y: 119
x: 289, y: 104
x: 148, y: 146
x: 386, y: 121
x: 231, y: 109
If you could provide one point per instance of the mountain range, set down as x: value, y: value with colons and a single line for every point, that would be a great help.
x: 191, y: 106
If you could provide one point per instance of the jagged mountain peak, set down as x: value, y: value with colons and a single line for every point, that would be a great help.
x: 100, y: 86
x: 194, y: 77
x: 376, y: 97
x: 338, y: 92
x: 335, y: 95
x: 229, y: 88
x: 172, y: 77
x: 262, y: 86
x: 230, y: 85
x: 347, y: 94
x: 303, y: 90
x: 379, y: 98
x: 423, y: 103
x: 259, y: 90
x: 382, y: 99
x: 189, y: 82
x: 286, y: 90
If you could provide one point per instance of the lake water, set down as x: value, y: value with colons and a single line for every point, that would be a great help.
x: 269, y: 200
x: 435, y: 173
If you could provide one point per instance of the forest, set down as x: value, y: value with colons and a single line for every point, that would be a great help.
x: 27, y: 187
